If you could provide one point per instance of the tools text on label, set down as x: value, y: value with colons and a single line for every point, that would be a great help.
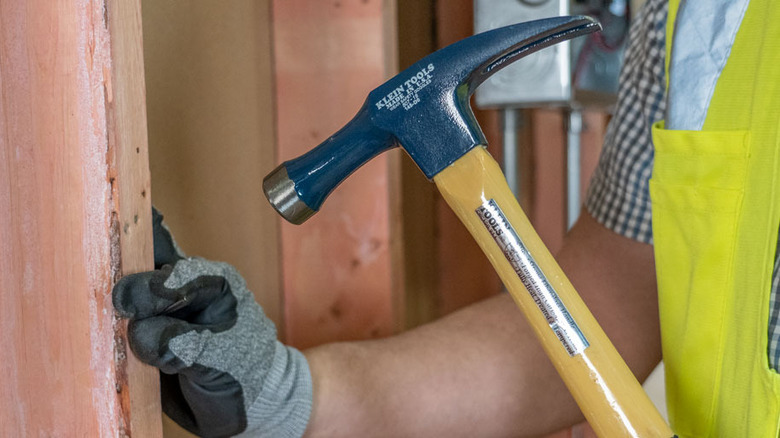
x: 534, y: 280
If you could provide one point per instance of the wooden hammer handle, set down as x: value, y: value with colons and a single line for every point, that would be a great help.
x: 606, y: 391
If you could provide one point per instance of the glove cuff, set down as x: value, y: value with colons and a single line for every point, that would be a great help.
x: 283, y: 408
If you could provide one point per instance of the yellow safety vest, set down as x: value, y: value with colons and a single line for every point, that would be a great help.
x: 715, y: 194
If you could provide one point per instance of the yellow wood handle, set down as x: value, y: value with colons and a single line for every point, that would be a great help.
x: 606, y: 391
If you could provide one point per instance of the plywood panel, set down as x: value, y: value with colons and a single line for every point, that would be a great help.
x: 211, y: 133
x: 339, y: 273
x: 73, y: 173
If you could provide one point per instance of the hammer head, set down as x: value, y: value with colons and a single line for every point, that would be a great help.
x: 425, y: 109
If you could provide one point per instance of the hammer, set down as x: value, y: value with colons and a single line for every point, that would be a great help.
x: 425, y: 109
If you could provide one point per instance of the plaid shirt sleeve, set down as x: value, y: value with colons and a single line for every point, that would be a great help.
x: 618, y: 196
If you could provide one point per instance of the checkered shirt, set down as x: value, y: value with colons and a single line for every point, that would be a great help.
x: 618, y: 196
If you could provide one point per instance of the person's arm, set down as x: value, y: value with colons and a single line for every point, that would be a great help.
x: 480, y: 371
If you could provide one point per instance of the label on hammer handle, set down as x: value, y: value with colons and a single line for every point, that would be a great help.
x: 534, y: 280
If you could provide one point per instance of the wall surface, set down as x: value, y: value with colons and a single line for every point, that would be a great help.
x: 211, y: 133
x: 74, y: 186
x: 211, y: 136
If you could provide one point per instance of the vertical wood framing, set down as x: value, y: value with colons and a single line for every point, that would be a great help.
x: 464, y: 274
x: 444, y: 267
x: 397, y: 244
x: 131, y: 192
x: 74, y: 192
x: 416, y: 39
x: 338, y: 267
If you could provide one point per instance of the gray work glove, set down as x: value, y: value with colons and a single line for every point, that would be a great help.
x: 223, y: 371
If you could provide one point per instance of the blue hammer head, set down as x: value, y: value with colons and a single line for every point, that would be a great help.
x: 425, y: 109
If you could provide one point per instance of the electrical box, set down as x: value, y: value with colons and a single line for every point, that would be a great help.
x: 582, y: 72
x: 543, y: 77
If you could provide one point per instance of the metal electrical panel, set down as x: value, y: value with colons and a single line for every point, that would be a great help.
x: 580, y: 72
x: 543, y: 77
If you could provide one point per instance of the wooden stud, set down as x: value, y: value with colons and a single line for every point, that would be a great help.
x: 464, y: 273
x: 338, y: 273
x: 73, y: 173
x: 418, y: 197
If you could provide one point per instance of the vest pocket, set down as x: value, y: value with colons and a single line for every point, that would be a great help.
x: 696, y: 192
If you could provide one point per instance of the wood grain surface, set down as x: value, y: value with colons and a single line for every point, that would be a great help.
x: 74, y: 197
x: 340, y: 279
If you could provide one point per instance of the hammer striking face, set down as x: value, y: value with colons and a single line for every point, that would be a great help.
x: 424, y: 109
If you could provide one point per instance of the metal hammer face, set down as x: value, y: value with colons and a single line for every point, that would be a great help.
x: 425, y: 109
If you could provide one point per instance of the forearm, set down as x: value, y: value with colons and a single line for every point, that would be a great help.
x: 480, y: 371
x: 469, y: 374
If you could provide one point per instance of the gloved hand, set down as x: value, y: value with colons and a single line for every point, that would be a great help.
x: 223, y: 370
